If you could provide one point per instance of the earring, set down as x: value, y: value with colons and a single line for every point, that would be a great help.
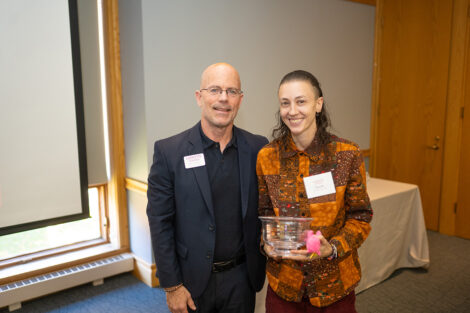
x: 317, y: 114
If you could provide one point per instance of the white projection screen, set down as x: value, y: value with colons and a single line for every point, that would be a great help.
x: 43, y: 178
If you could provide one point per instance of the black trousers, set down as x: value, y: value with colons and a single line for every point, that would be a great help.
x: 227, y: 292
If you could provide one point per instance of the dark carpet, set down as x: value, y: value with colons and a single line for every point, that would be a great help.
x: 119, y: 294
x: 443, y: 288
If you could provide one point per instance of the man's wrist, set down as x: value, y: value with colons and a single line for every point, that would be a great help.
x: 174, y: 288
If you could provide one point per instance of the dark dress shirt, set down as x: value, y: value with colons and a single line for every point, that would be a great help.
x: 224, y: 178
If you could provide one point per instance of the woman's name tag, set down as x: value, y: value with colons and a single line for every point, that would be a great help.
x: 319, y: 185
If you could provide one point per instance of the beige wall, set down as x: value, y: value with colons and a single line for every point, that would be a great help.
x: 165, y: 45
x: 264, y: 40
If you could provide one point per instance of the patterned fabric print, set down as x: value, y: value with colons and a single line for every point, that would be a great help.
x: 328, y: 285
x: 288, y: 203
x: 349, y: 272
x: 290, y: 281
x: 343, y: 165
x: 267, y: 199
x: 343, y: 217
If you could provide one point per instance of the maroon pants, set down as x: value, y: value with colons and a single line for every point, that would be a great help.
x: 275, y: 304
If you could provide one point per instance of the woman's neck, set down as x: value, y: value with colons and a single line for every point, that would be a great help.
x: 303, y: 141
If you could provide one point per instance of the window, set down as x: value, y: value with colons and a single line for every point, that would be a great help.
x: 55, y: 236
x: 109, y: 196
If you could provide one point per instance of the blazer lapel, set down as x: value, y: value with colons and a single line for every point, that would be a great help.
x: 245, y: 169
x: 200, y: 172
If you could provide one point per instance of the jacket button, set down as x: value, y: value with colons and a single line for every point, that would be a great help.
x: 211, y: 228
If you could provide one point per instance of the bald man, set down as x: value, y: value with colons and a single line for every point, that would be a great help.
x: 202, y: 205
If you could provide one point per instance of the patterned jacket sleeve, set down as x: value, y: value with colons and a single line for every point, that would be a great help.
x: 358, y: 210
x: 265, y: 207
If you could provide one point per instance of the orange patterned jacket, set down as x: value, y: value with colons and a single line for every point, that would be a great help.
x: 343, y: 217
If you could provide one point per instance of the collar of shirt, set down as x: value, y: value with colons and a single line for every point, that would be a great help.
x: 289, y: 149
x: 208, y: 143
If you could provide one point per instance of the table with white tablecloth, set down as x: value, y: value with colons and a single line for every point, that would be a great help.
x: 398, y: 237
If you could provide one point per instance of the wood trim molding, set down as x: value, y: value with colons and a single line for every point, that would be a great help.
x: 375, y: 87
x: 459, y: 58
x: 366, y: 153
x: 370, y: 2
x: 136, y: 185
x: 116, y: 187
x: 145, y: 272
x: 50, y: 253
x: 462, y: 210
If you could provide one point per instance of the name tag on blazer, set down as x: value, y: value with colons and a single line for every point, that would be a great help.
x: 319, y: 185
x: 194, y: 160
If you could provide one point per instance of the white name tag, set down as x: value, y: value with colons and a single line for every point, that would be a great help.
x: 319, y: 185
x: 194, y: 160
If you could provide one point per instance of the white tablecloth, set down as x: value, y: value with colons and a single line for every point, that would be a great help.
x: 398, y: 237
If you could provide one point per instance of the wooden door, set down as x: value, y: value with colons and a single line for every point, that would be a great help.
x: 411, y: 85
x: 462, y: 228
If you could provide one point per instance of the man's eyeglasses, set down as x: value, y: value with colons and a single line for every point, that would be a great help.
x: 215, y: 91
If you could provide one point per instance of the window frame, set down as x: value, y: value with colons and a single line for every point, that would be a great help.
x: 113, y: 198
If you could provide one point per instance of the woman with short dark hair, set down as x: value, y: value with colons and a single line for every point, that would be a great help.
x: 302, y: 149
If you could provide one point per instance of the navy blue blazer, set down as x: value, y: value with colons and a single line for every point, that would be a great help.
x: 181, y: 213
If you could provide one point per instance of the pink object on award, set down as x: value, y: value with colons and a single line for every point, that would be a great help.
x: 313, y: 241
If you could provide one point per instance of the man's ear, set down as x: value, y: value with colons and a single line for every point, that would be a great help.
x: 241, y: 99
x: 197, y: 95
